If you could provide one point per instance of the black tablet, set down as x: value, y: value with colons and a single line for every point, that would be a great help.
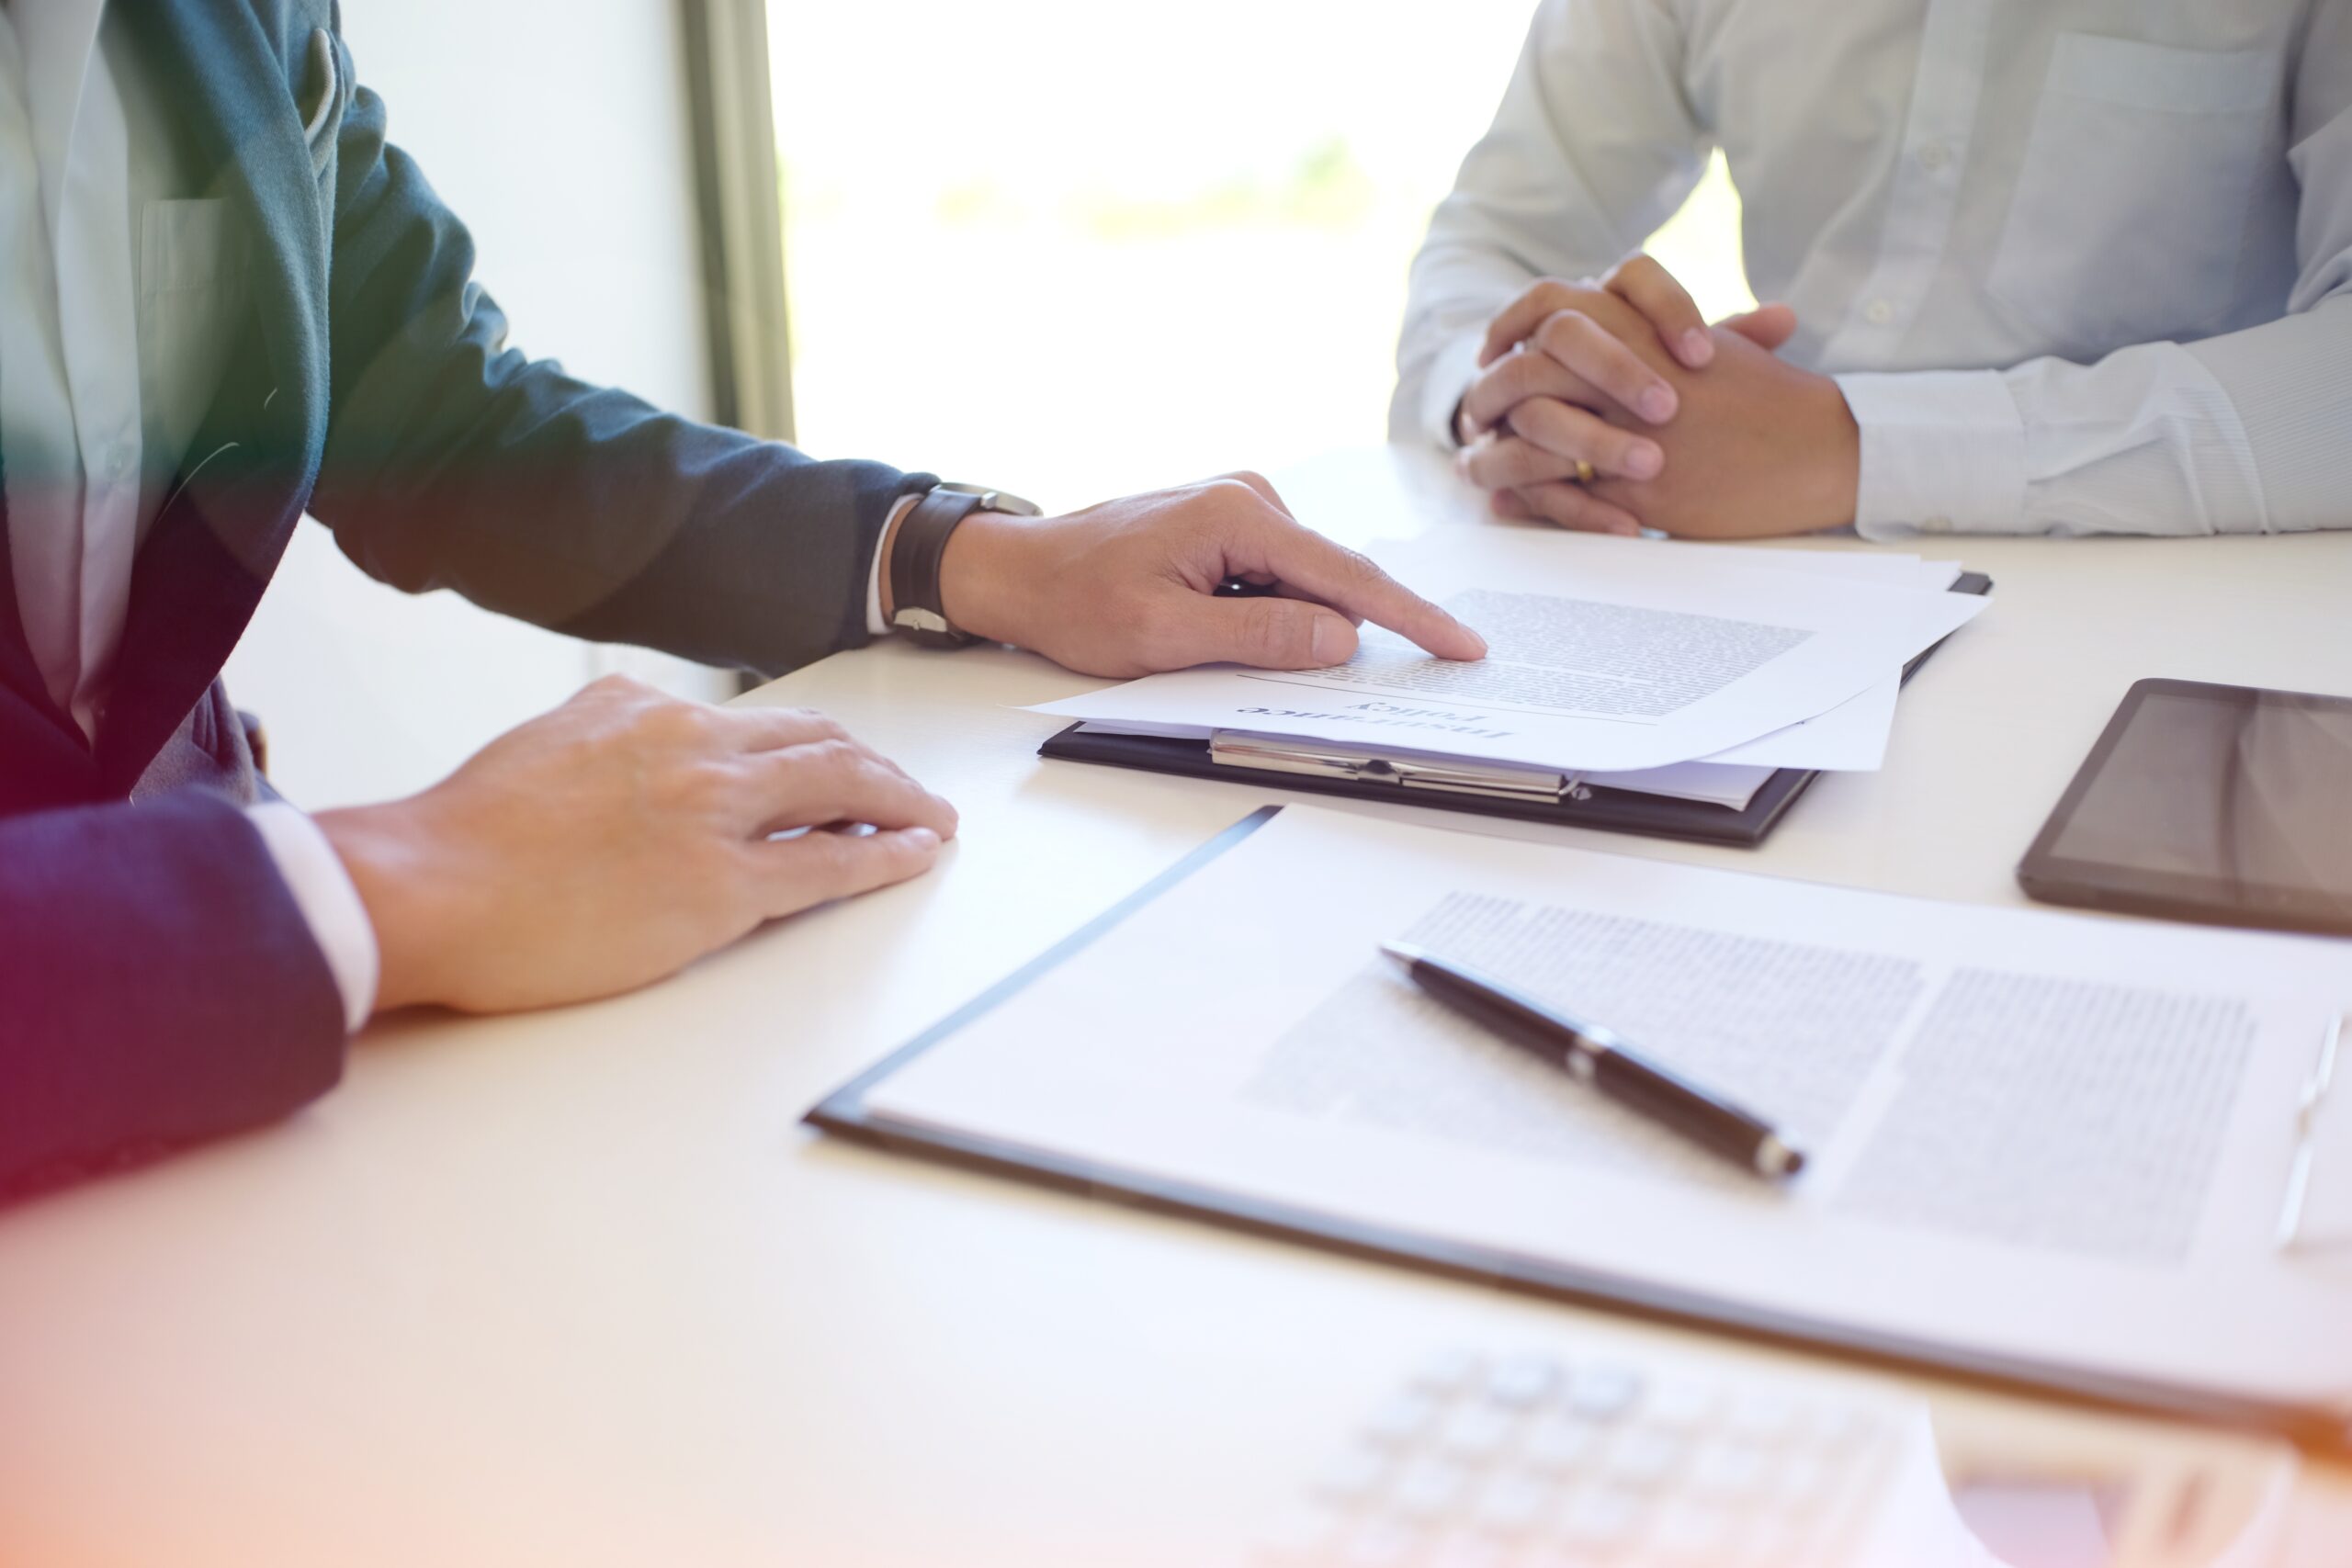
x: 2225, y: 804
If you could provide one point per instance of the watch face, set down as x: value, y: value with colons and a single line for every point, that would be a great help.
x: 914, y: 620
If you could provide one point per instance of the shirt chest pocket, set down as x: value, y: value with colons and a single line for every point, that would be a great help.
x: 191, y: 305
x: 2129, y: 216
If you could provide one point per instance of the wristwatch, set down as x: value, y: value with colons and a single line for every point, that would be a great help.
x: 919, y: 546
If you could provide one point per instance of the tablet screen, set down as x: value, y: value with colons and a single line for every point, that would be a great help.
x: 2225, y: 797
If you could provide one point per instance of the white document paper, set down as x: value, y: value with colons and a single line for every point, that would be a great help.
x: 1720, y: 783
x: 1606, y: 657
x: 1850, y: 737
x: 2049, y: 1138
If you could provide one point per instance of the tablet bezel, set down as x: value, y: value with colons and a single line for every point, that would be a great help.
x: 2211, y: 900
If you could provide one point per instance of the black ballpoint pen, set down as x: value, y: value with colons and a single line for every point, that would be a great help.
x: 1595, y: 1055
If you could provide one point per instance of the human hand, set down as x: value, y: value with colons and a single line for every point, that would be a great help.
x: 1128, y: 588
x: 1563, y: 357
x: 1761, y: 448
x: 604, y: 845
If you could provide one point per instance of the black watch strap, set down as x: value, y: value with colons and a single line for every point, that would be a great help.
x: 921, y: 545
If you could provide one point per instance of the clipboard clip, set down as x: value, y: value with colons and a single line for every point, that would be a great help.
x: 1507, y: 780
x: 2316, y: 1089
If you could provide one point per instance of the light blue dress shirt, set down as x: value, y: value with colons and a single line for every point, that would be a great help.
x: 2079, y: 267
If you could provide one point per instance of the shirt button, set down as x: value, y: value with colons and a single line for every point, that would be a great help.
x: 1878, y: 312
x: 1934, y: 156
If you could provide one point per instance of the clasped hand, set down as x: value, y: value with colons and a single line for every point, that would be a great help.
x: 1611, y: 406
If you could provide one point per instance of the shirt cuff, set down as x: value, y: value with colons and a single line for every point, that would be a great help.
x: 875, y: 624
x: 1943, y: 452
x: 330, y: 903
x: 1451, y: 373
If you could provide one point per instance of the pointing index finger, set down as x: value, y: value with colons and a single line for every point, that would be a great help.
x: 1353, y: 585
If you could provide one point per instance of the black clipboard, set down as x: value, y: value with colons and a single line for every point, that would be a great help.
x: 1612, y: 810
x: 845, y: 1113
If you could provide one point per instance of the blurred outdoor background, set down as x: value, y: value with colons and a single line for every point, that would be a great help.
x: 1077, y: 248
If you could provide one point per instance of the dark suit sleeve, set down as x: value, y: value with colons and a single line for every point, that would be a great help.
x: 455, y: 461
x: 158, y: 985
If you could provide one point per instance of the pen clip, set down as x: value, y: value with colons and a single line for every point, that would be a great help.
x: 2307, y: 1104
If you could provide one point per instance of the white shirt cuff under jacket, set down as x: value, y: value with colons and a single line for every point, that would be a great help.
x: 328, y: 902
x: 875, y: 624
x: 1943, y: 452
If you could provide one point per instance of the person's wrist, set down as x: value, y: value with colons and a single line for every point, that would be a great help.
x: 389, y: 857
x: 979, y: 581
x: 1835, y: 476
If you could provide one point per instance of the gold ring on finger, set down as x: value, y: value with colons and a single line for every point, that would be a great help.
x: 1584, y: 471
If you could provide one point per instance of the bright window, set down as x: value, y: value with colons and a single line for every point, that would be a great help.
x: 1078, y: 249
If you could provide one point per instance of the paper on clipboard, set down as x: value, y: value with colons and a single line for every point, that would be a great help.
x: 1606, y: 658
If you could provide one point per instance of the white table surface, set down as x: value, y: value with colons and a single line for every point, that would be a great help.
x: 577, y: 1288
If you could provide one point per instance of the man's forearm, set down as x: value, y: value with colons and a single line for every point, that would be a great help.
x: 2289, y: 384
x: 453, y: 460
x: 2239, y: 433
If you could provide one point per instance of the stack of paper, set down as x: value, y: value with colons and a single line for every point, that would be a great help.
x: 1686, y: 670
